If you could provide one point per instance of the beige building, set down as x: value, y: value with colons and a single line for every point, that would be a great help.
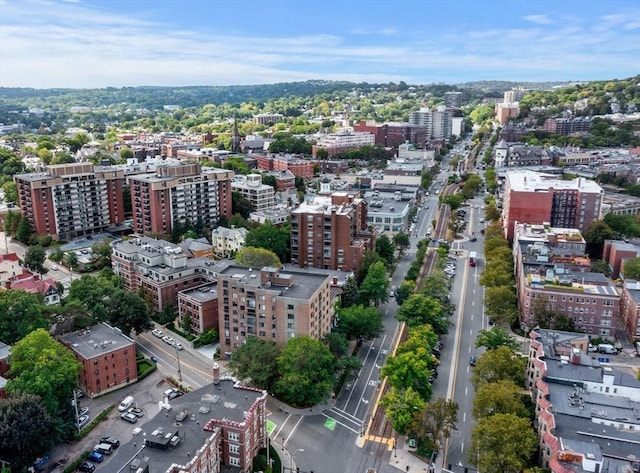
x: 227, y: 241
x: 260, y: 196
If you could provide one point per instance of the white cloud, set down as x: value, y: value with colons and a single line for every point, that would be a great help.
x: 539, y: 19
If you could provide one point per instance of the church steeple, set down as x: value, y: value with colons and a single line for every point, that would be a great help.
x: 235, y: 142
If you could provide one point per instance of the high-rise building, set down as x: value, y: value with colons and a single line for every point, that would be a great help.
x: 183, y: 193
x: 71, y: 200
x: 331, y: 232
x: 260, y: 196
x: 453, y: 99
x: 532, y: 197
x: 437, y: 122
x: 272, y: 305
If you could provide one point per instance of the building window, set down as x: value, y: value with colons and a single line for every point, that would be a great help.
x: 234, y: 461
x: 234, y: 448
x: 234, y: 436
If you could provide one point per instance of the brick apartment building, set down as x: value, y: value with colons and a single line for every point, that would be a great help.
x: 630, y: 308
x: 586, y: 412
x: 200, y: 305
x: 393, y: 134
x: 182, y: 193
x: 71, y: 200
x: 160, y: 268
x: 108, y: 358
x: 272, y: 304
x: 274, y: 162
x: 550, y: 264
x: 567, y: 126
x: 616, y: 252
x: 331, y: 232
x: 336, y: 144
x: 219, y: 427
x: 543, y: 198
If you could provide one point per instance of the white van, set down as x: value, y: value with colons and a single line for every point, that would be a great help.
x: 607, y: 348
x: 126, y: 403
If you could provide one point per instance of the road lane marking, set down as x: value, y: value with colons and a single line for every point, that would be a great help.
x: 282, y: 427
x: 293, y: 431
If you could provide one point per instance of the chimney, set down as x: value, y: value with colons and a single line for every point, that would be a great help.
x: 216, y: 373
x: 335, y: 281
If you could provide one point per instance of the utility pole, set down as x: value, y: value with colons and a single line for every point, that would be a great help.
x: 179, y: 371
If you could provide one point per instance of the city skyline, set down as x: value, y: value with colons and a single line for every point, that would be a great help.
x: 97, y: 43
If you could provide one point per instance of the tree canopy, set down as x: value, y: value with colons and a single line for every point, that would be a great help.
x: 20, y: 314
x: 421, y: 310
x: 373, y: 289
x: 498, y: 364
x: 494, y: 338
x: 257, y: 257
x: 256, y: 361
x: 359, y: 322
x: 272, y: 238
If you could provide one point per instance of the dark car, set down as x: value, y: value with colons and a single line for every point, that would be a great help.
x: 473, y: 239
x: 86, y: 467
x: 473, y: 360
x: 111, y: 441
x: 136, y: 411
x: 95, y: 457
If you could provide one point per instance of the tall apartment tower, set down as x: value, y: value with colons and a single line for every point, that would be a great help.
x: 437, y: 122
x: 453, y: 99
x: 536, y: 198
x: 331, y: 232
x: 183, y: 193
x: 71, y: 200
x: 260, y: 196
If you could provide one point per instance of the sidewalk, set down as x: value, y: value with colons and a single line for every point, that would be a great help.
x: 403, y: 459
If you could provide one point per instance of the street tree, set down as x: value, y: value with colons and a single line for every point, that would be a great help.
x: 409, y: 370
x: 41, y: 366
x: 307, y: 372
x: 502, y: 443
x: 272, y: 238
x: 421, y: 310
x: 631, y: 269
x: 373, y: 289
x: 24, y: 230
x: 502, y: 397
x: 453, y: 200
x: 34, y: 259
x: 402, y: 241
x: 20, y: 314
x: 497, y: 274
x: 500, y: 302
x: 337, y: 344
x: 101, y: 252
x: 128, y: 311
x: 401, y: 406
x: 10, y: 190
x: 71, y: 260
x: 347, y: 367
x: 433, y: 424
x: 26, y: 430
x: 494, y: 338
x: 257, y: 257
x: 370, y: 257
x: 596, y: 234
x: 256, y: 361
x: 498, y: 364
x: 93, y: 293
x: 360, y: 322
x: 404, y: 290
x: 350, y: 293
x: 492, y: 213
x: 420, y: 337
x: 494, y: 230
x: 385, y: 249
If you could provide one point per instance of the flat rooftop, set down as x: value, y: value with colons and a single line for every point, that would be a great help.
x: 305, y: 284
x: 97, y: 340
x: 227, y: 400
x: 529, y: 181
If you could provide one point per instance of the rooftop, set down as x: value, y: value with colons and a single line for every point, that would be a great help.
x: 96, y: 341
x: 529, y: 181
x: 203, y: 293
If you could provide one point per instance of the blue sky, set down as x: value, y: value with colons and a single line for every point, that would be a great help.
x: 101, y: 43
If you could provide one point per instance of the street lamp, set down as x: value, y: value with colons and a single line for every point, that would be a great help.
x: 299, y: 450
x: 178, y: 358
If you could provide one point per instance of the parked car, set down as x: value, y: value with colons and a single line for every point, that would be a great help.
x: 129, y: 417
x: 83, y: 411
x: 154, y: 359
x: 111, y: 441
x: 136, y: 411
x: 78, y: 393
x: 158, y: 333
x: 86, y: 467
x: 473, y: 360
x: 168, y: 340
x: 172, y: 393
x: 95, y: 457
x: 83, y: 420
x: 178, y: 345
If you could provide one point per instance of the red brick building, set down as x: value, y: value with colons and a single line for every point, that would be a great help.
x: 615, y: 252
x: 200, y: 304
x: 331, y: 232
x: 392, y: 134
x: 299, y: 167
x: 537, y: 198
x: 108, y: 358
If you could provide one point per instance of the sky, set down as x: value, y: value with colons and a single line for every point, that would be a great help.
x: 118, y: 43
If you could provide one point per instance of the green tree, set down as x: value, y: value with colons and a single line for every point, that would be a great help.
x: 257, y: 257
x: 271, y: 238
x: 41, y: 366
x: 322, y: 154
x: 402, y: 242
x: 401, y: 406
x: 240, y: 205
x: 370, y: 257
x: 256, y: 361
x: 492, y: 213
x: 93, y: 293
x: 71, y: 260
x: 404, y: 290
x: 502, y: 443
x: 420, y: 310
x: 500, y: 302
x: 502, y: 397
x: 623, y: 225
x: 601, y: 266
x: 494, y: 338
x: 24, y: 231
x: 307, y: 372
x: 631, y: 269
x: 496, y: 365
x: 434, y: 422
x: 359, y: 322
x: 409, y: 370
x: 337, y: 344
x: 125, y: 154
x: 385, y: 249
x: 34, y: 259
x: 185, y: 323
x: 101, y: 254
x: 10, y: 190
x: 350, y: 293
x: 498, y: 274
x: 375, y: 285
x: 128, y: 311
x: 20, y: 314
x: 26, y: 430
x: 596, y: 234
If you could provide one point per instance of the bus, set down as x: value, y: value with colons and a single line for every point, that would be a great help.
x: 473, y: 256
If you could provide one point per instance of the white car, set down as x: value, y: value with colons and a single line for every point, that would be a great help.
x: 168, y: 340
x: 178, y: 345
x: 158, y: 333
